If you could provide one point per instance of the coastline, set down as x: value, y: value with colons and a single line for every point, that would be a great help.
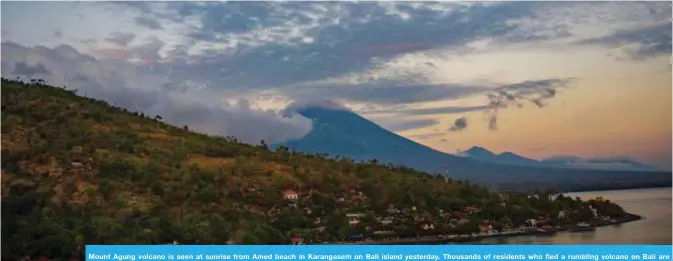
x: 434, y: 239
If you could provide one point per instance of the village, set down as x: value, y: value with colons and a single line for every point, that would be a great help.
x: 410, y: 223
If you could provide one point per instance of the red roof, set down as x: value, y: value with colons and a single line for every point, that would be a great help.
x: 290, y: 192
x: 297, y: 239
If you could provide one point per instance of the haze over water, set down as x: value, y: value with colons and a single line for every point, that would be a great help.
x: 654, y: 205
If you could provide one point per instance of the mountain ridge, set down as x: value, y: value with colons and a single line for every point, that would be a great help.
x: 510, y: 158
x: 344, y: 133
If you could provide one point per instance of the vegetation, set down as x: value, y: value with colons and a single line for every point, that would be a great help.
x: 78, y: 171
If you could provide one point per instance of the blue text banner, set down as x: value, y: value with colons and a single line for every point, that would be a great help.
x: 379, y: 253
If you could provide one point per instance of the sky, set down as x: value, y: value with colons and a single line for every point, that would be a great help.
x: 540, y: 79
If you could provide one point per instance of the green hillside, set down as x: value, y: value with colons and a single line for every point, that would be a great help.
x: 78, y: 171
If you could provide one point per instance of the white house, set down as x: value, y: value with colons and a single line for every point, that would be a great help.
x: 354, y: 218
x: 427, y: 226
x: 532, y: 222
x: 387, y: 220
x: 595, y: 211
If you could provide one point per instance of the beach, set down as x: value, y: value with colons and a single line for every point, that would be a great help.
x: 445, y: 239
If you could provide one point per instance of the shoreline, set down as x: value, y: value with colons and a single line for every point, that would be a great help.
x: 434, y: 239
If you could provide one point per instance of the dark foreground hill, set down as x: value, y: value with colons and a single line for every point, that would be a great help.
x: 77, y: 171
x: 342, y: 132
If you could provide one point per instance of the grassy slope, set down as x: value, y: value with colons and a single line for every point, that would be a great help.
x: 78, y: 171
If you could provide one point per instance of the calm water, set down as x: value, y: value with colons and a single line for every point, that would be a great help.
x: 654, y: 205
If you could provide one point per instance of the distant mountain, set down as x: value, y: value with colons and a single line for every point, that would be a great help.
x: 509, y: 158
x: 338, y: 131
x: 480, y: 153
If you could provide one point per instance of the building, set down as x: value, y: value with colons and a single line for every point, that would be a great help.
x: 532, y: 223
x: 561, y: 214
x: 426, y: 225
x: 297, y: 240
x: 486, y: 229
x: 387, y: 221
x: 290, y: 195
x: 595, y: 211
x: 354, y: 218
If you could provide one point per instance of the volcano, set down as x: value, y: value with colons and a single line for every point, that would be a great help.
x: 339, y: 131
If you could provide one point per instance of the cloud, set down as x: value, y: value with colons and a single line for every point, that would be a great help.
x: 384, y: 92
x: 650, y: 41
x: 201, y: 110
x: 148, y: 23
x: 264, y: 44
x: 425, y: 136
x: 322, y: 104
x: 445, y: 110
x: 493, y: 122
x: 88, y: 41
x: 404, y: 125
x: 22, y: 68
x: 383, y: 54
x: 149, y: 49
x: 536, y: 92
x: 459, y: 124
x: 121, y: 39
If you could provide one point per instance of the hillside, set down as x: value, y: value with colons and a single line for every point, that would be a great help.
x: 78, y: 171
x: 343, y: 132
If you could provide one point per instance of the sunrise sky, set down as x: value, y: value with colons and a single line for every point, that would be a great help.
x: 593, y: 79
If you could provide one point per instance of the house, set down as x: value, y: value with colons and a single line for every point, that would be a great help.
x: 387, y: 220
x: 486, y: 229
x: 354, y: 218
x: 471, y: 210
x: 595, y: 211
x: 383, y: 231
x: 290, y: 195
x: 532, y: 223
x: 77, y: 164
x: 393, y: 210
x: 561, y: 214
x: 426, y: 225
x: 297, y: 240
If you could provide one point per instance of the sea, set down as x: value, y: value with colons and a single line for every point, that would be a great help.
x: 654, y: 205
